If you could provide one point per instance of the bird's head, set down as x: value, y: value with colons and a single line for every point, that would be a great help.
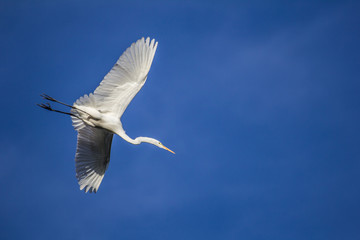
x: 154, y: 142
x: 160, y: 145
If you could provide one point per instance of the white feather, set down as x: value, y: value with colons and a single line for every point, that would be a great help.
x: 92, y: 157
x: 126, y: 78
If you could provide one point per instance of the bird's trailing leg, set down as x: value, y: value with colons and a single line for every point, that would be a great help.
x: 47, y: 97
x: 48, y: 107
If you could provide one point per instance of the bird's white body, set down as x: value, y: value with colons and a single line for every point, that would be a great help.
x: 96, y: 116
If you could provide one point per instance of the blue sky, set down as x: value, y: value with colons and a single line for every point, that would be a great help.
x: 259, y: 99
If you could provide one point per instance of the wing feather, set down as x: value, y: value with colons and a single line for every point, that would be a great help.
x: 92, y: 157
x: 126, y: 78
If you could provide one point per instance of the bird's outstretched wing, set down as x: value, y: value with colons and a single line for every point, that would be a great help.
x: 126, y: 78
x: 92, y: 157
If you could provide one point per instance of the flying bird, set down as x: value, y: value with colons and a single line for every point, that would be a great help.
x: 96, y: 116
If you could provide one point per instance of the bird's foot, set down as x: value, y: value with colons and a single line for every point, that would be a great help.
x: 47, y: 97
x: 45, y: 106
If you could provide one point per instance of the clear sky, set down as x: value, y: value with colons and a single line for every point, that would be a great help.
x: 259, y: 100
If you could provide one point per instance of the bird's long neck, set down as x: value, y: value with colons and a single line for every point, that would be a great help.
x: 136, y: 141
x: 127, y: 138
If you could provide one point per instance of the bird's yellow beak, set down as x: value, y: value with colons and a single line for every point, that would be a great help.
x: 168, y: 149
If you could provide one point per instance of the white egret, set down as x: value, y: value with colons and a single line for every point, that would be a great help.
x: 96, y: 116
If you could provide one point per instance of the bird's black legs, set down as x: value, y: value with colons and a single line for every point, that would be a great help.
x: 48, y: 107
x: 47, y: 97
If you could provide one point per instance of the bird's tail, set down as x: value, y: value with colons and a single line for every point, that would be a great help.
x: 84, y: 101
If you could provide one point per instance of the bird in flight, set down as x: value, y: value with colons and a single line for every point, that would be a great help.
x: 96, y: 116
